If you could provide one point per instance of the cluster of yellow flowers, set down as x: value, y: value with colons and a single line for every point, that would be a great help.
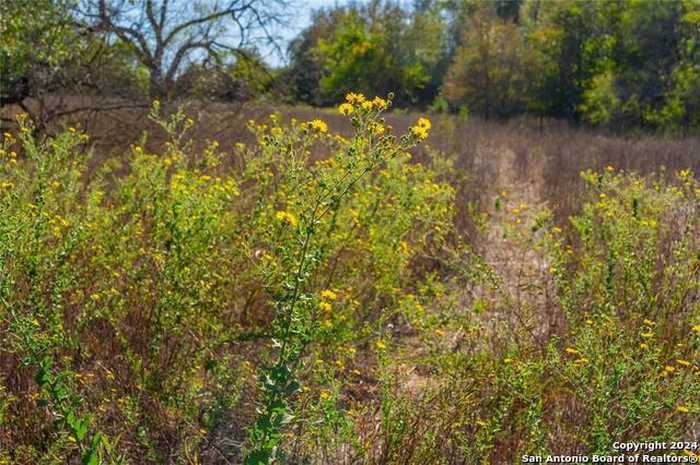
x: 11, y: 155
x: 319, y: 125
x: 352, y: 100
x: 377, y: 129
x: 422, y: 128
x: 287, y: 218
x: 327, y: 296
x: 345, y: 109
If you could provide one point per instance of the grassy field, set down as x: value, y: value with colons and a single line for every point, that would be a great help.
x: 227, y: 285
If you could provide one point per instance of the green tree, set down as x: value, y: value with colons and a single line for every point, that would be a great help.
x: 306, y: 69
x: 45, y: 59
x: 230, y: 79
x: 558, y: 34
x: 601, y: 102
x: 373, y: 48
x: 34, y: 35
x: 488, y: 71
x: 651, y: 50
x: 682, y: 106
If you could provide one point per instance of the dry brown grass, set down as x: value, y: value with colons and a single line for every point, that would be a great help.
x: 550, y: 156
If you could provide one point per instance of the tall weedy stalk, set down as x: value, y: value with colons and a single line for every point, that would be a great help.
x: 317, y: 198
x: 37, y: 192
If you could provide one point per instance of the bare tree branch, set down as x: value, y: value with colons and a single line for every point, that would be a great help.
x: 164, y: 33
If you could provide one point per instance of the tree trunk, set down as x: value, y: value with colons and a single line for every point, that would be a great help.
x: 156, y: 86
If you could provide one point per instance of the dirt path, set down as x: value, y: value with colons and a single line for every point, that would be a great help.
x: 520, y: 303
x: 517, y: 307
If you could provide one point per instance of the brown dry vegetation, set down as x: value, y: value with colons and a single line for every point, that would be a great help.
x: 547, y: 157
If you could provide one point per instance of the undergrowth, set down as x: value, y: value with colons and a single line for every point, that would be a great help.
x: 259, y: 303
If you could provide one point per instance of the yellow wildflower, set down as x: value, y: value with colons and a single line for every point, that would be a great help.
x: 354, y: 98
x: 420, y: 132
x: 571, y: 350
x: 345, y: 109
x: 286, y: 217
x: 669, y: 369
x: 325, y: 307
x: 319, y: 125
x: 684, y: 363
x: 682, y: 409
x: 377, y: 129
x: 380, y: 103
x: 424, y: 123
x: 367, y: 105
x: 421, y: 128
x: 381, y: 345
x: 327, y: 294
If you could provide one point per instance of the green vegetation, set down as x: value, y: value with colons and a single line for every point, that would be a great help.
x: 618, y: 64
x: 205, y: 260
x: 270, y: 305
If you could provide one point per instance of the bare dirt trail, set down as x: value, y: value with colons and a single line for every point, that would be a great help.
x: 518, y: 305
x: 509, y: 247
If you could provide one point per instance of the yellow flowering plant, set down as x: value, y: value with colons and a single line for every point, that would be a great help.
x: 304, y: 296
x: 327, y: 199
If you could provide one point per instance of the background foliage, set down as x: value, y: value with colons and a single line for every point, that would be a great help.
x: 615, y: 64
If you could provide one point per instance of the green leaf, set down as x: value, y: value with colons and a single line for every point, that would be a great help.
x: 81, y: 429
x: 258, y: 457
x: 90, y: 458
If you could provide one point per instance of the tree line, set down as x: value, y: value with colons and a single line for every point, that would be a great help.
x: 613, y: 63
x: 610, y: 62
